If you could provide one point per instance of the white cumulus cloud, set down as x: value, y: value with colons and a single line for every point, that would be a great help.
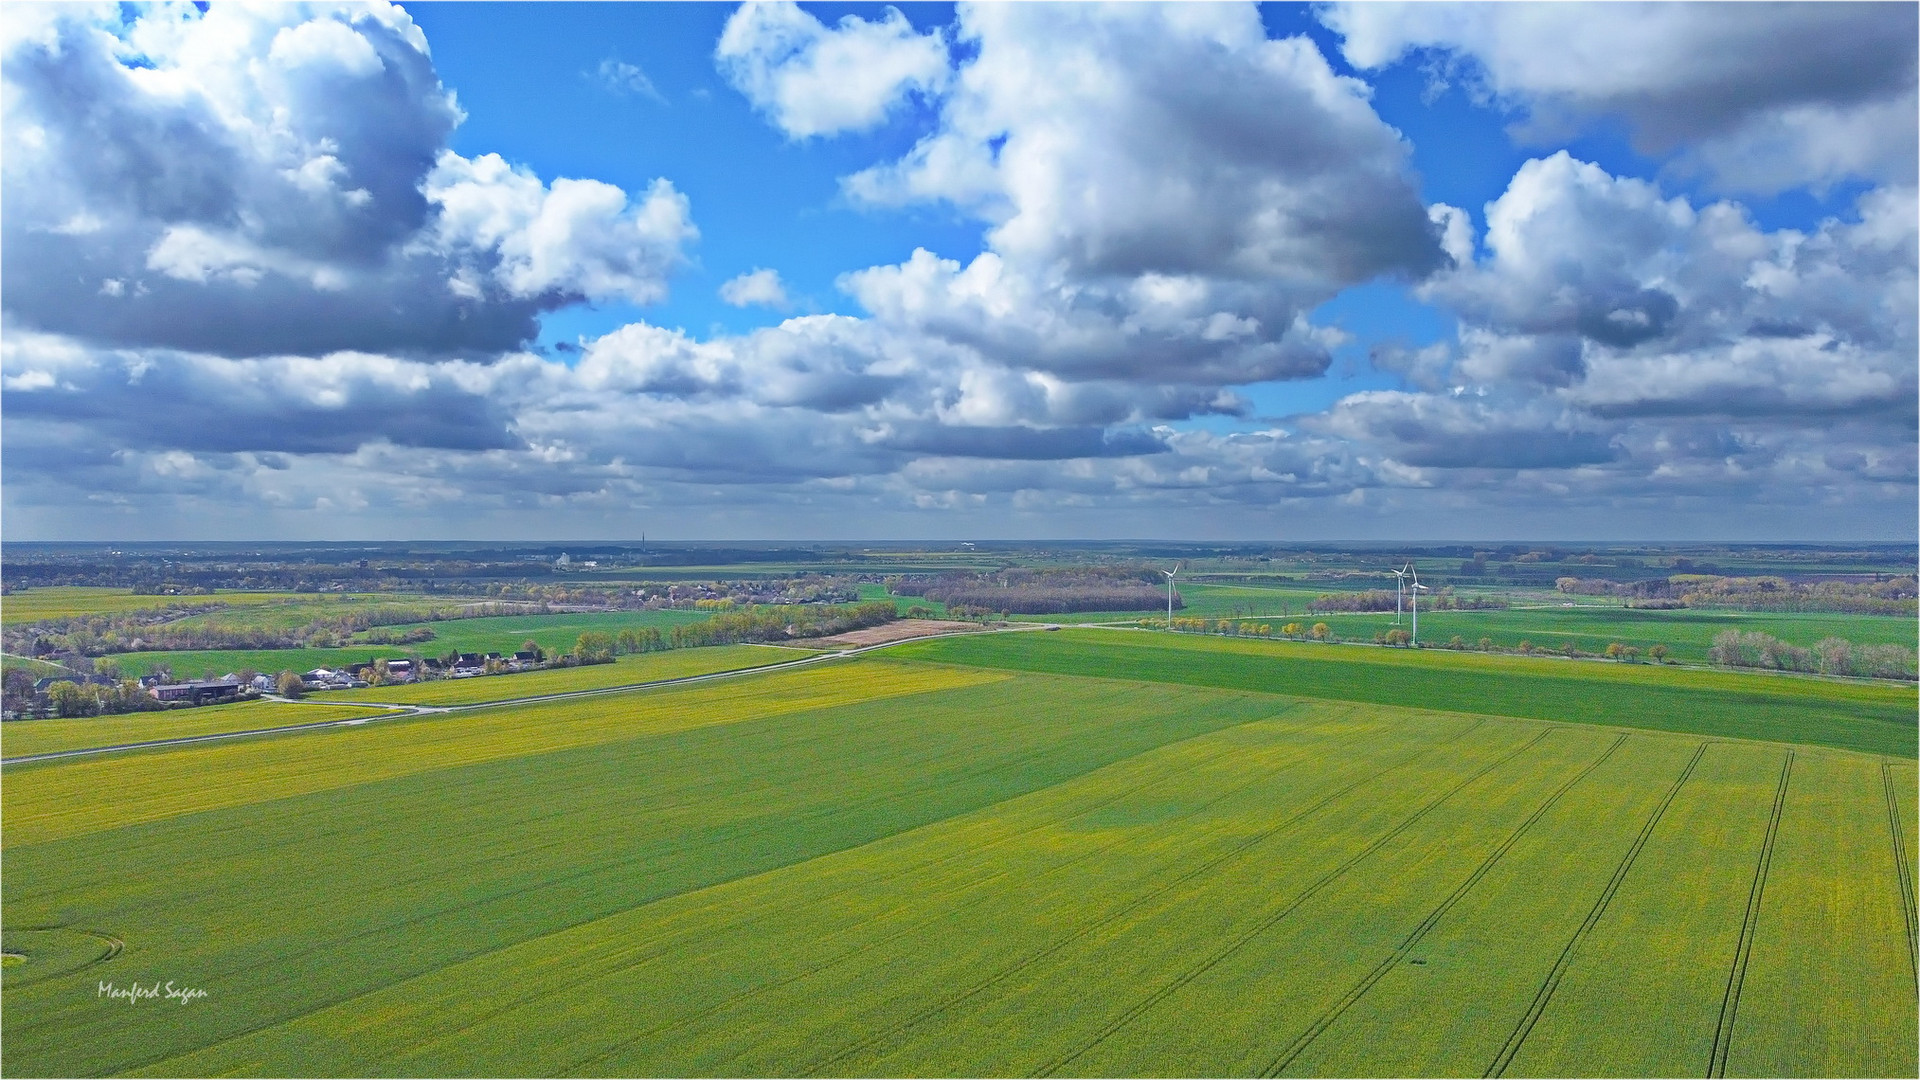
x: 1764, y: 96
x: 1167, y: 192
x: 276, y: 179
x: 760, y: 287
x: 811, y: 79
x: 575, y: 238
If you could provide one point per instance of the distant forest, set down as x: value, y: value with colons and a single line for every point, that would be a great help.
x: 1043, y: 591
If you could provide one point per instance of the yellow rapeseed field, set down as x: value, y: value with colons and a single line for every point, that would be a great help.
x: 48, y: 803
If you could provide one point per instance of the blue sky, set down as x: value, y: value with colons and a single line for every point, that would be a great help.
x: 1228, y: 267
x: 558, y: 110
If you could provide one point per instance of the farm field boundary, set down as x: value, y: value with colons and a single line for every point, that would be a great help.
x: 1874, y: 718
x: 624, y: 671
x: 190, y: 779
x: 26, y: 738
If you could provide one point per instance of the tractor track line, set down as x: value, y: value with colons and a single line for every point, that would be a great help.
x: 114, y: 947
x: 1394, y: 959
x: 1904, y: 866
x: 1737, y: 977
x: 1001, y: 976
x: 1192, y: 973
x: 1511, y: 1048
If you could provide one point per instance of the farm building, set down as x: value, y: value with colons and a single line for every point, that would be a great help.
x: 198, y: 692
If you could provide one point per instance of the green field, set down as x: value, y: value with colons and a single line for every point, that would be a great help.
x: 39, y: 669
x: 1590, y: 625
x: 1686, y: 633
x: 554, y: 633
x: 66, y: 601
x: 22, y: 737
x: 624, y: 671
x: 287, y: 612
x: 1873, y: 717
x: 887, y: 866
x: 503, y: 634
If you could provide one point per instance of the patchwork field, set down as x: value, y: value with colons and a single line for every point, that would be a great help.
x: 896, y: 867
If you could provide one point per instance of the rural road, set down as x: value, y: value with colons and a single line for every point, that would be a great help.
x: 405, y: 711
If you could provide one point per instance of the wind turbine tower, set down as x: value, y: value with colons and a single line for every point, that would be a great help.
x: 1170, y: 573
x: 1416, y: 591
x: 1399, y: 586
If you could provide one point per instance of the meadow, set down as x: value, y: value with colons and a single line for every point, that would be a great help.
x: 39, y: 669
x: 889, y: 866
x: 624, y: 671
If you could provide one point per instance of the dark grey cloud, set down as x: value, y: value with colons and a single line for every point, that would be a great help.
x: 288, y: 406
x: 1024, y: 444
x: 62, y: 284
x: 1453, y: 431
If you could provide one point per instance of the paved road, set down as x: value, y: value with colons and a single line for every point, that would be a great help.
x: 404, y: 711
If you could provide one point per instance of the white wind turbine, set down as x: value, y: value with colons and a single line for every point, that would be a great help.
x: 1399, y: 586
x: 1170, y: 573
x: 1416, y: 590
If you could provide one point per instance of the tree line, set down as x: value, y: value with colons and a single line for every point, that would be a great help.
x: 101, y: 635
x: 1041, y: 591
x: 782, y: 623
x: 1828, y: 656
x: 1891, y: 596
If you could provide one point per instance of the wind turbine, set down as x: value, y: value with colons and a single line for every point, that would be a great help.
x: 1170, y: 573
x: 1416, y: 590
x: 1399, y: 582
